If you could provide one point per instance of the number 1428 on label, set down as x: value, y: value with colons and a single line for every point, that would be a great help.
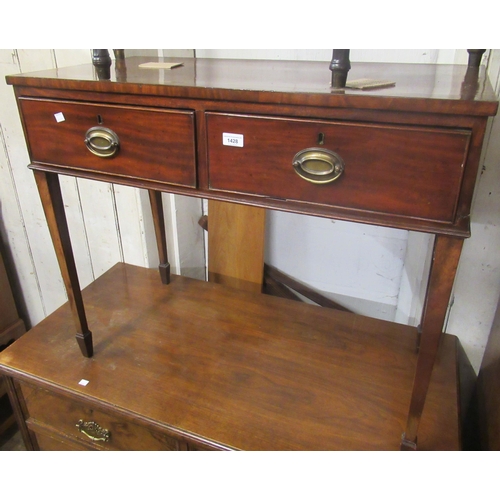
x: 234, y: 140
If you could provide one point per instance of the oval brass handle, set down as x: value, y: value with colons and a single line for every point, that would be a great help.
x: 317, y: 165
x: 93, y: 431
x: 102, y: 141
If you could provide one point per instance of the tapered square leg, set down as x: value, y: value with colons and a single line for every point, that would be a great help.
x: 445, y: 258
x: 161, y: 239
x: 53, y: 206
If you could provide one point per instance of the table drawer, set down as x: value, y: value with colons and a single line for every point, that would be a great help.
x: 390, y: 169
x: 154, y: 143
x: 66, y: 417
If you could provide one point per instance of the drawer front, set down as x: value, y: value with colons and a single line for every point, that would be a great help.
x: 59, y: 416
x: 58, y: 443
x: 402, y: 170
x: 155, y: 144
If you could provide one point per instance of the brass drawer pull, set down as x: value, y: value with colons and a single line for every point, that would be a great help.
x: 317, y: 165
x: 102, y: 141
x: 93, y: 431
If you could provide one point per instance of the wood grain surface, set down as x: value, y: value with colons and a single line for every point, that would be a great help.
x: 435, y: 88
x: 236, y: 242
x: 239, y: 370
x: 160, y: 140
x: 411, y: 171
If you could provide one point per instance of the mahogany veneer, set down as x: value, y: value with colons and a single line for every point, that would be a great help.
x: 389, y: 169
x: 164, y: 145
x: 408, y: 158
x: 197, y: 364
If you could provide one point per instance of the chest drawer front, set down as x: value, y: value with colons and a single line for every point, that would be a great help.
x: 65, y: 417
x: 50, y: 442
x: 154, y: 143
x: 409, y: 171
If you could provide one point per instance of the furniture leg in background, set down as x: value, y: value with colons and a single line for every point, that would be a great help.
x: 11, y: 328
x: 53, y: 206
x: 161, y: 238
x: 487, y: 394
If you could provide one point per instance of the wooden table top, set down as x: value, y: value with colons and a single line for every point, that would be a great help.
x: 436, y: 88
x: 244, y: 370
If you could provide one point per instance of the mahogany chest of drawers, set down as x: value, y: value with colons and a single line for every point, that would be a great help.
x: 271, y: 135
x: 193, y: 366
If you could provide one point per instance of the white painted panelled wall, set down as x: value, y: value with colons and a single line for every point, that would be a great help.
x: 375, y: 271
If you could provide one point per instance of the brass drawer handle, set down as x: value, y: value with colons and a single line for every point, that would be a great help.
x: 93, y: 431
x: 317, y: 165
x: 102, y: 141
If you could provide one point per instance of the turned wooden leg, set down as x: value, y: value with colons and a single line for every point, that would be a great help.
x: 161, y: 238
x: 53, y: 206
x: 446, y: 255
